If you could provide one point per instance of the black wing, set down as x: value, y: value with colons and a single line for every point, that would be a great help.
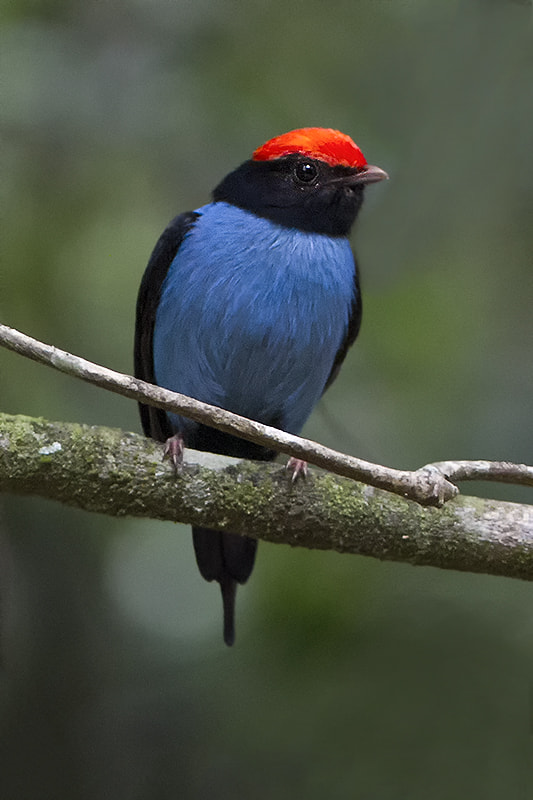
x: 354, y: 324
x: 154, y: 421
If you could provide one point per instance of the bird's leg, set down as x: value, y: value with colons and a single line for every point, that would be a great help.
x: 174, y: 450
x: 298, y: 467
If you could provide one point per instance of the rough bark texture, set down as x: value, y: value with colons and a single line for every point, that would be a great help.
x: 113, y: 472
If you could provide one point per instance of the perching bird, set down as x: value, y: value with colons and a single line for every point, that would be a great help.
x: 250, y: 303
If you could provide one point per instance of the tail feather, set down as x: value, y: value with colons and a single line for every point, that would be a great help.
x: 228, y: 587
x: 238, y: 555
x: 208, y: 552
x: 228, y: 559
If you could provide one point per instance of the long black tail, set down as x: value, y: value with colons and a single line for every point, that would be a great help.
x: 228, y: 559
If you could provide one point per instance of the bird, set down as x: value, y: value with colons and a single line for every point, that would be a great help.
x: 250, y: 303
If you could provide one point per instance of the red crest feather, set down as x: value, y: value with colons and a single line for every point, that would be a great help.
x: 325, y: 144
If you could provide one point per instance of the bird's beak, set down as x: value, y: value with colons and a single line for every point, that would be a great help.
x: 369, y: 174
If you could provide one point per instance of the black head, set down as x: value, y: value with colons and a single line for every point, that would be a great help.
x: 298, y: 191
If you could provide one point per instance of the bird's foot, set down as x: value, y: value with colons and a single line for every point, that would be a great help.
x: 298, y: 467
x: 174, y: 450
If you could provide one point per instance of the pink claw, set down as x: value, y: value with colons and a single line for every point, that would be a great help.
x: 174, y: 450
x: 298, y: 467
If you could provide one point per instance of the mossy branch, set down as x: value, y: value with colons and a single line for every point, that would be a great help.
x: 117, y: 473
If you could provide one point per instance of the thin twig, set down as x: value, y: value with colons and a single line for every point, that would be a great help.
x: 428, y: 485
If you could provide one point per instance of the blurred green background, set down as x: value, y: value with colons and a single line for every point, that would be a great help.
x: 350, y: 678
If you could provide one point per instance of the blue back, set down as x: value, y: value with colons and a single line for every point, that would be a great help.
x: 252, y: 315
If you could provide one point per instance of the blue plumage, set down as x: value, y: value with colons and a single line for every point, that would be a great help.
x: 252, y: 315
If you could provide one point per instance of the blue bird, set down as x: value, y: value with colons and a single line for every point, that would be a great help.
x: 250, y: 303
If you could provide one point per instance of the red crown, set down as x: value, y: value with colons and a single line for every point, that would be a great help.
x: 325, y: 144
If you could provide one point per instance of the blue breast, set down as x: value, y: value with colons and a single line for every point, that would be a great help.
x: 251, y: 316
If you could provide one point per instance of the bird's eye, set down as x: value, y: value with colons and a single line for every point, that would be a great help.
x: 305, y: 171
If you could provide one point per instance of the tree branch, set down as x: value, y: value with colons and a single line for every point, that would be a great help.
x: 117, y: 473
x: 430, y: 485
